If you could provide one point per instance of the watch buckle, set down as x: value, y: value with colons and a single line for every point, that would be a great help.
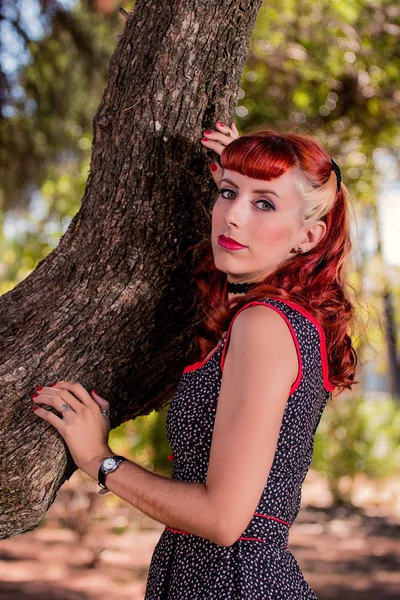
x: 103, y: 490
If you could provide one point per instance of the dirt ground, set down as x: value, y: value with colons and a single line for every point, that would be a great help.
x: 90, y: 546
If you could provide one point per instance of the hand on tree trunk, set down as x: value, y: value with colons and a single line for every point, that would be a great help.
x: 83, y: 425
x: 217, y: 141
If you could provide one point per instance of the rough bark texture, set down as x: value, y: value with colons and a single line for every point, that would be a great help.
x: 112, y: 306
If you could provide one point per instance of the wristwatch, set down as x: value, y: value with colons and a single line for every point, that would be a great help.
x: 108, y: 465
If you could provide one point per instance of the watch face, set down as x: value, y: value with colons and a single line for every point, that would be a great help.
x: 109, y: 463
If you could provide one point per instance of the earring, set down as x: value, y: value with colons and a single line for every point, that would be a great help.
x: 300, y: 250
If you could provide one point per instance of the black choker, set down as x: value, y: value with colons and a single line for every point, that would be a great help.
x: 238, y: 288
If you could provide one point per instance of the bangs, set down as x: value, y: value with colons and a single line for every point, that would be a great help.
x: 264, y: 155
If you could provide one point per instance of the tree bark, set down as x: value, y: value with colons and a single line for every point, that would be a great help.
x: 391, y: 342
x: 113, y: 307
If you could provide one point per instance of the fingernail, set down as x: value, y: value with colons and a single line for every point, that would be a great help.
x: 34, y: 395
x: 213, y: 167
x: 208, y: 132
x: 54, y: 383
x: 95, y: 392
x: 204, y: 140
x: 39, y: 388
x: 35, y: 407
x: 219, y: 123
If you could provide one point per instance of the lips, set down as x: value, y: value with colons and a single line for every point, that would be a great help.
x: 227, y: 242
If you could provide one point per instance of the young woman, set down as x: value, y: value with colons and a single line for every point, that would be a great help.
x: 243, y: 419
x: 273, y: 345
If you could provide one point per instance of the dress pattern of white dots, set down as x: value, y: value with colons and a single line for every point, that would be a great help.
x: 258, y: 566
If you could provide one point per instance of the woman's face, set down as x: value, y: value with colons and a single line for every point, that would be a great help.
x: 264, y: 216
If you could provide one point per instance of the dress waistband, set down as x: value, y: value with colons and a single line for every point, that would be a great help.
x: 277, y: 532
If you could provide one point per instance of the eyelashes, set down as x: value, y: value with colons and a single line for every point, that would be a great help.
x: 267, y: 202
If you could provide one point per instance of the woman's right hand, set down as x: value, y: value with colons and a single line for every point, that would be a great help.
x: 217, y: 140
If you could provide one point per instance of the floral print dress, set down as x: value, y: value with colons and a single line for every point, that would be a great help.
x: 259, y: 565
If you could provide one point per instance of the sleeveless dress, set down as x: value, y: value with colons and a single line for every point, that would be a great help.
x: 258, y: 566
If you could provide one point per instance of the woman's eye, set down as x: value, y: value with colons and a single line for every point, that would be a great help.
x: 268, y: 204
x: 223, y: 190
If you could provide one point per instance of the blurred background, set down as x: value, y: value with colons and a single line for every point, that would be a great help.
x: 328, y: 68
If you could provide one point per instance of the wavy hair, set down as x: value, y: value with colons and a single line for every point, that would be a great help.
x: 317, y: 280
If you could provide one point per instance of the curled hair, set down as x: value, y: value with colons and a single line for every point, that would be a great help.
x: 317, y: 280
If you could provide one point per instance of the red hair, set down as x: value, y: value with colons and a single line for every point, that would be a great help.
x: 316, y: 280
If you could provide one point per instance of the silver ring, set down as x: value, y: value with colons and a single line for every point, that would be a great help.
x: 65, y: 407
x: 105, y: 412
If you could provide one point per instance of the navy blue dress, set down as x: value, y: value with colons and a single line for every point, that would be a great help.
x: 258, y: 566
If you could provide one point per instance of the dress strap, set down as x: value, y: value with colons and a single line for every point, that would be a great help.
x: 289, y: 307
x: 296, y: 383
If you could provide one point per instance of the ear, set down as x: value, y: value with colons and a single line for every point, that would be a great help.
x: 313, y: 235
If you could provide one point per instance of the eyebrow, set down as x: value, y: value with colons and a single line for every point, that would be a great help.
x: 254, y: 191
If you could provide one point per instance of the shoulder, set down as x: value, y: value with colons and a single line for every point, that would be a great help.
x: 263, y: 315
x: 262, y: 323
x: 261, y: 334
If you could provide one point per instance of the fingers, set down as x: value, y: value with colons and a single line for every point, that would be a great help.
x: 75, y: 391
x: 70, y: 392
x: 101, y: 402
x: 53, y: 419
x: 213, y: 144
x: 232, y: 131
x: 235, y: 129
x: 56, y: 398
x: 218, y: 140
x: 216, y: 172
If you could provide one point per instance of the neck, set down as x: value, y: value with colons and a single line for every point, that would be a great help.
x: 237, y: 290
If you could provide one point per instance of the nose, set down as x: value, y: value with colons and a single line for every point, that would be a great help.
x: 234, y: 214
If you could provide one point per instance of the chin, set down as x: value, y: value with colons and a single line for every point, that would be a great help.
x: 221, y: 265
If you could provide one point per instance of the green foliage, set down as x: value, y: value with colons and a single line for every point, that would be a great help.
x: 144, y: 439
x: 39, y: 231
x: 331, y: 69
x: 357, y: 436
x: 60, y: 89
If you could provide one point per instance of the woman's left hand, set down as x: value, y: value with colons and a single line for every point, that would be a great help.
x: 84, y: 428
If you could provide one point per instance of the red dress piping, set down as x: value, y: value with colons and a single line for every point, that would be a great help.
x: 322, y: 343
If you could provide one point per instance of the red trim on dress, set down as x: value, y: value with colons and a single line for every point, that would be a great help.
x: 199, y: 364
x: 322, y: 339
x: 273, y: 518
x: 296, y: 383
x: 240, y: 538
x: 255, y: 515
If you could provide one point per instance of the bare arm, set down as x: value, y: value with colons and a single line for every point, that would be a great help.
x: 179, y: 504
x: 260, y: 367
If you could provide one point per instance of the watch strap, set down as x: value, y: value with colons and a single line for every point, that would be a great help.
x: 102, y: 474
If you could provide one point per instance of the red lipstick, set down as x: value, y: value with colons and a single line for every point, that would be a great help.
x: 229, y: 243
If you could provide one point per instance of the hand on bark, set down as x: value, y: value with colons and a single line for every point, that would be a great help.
x: 84, y: 428
x: 217, y: 141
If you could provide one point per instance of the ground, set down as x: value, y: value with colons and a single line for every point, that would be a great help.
x: 90, y: 546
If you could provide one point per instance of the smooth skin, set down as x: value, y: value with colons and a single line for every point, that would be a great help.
x: 260, y: 367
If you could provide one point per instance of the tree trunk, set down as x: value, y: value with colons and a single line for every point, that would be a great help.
x: 391, y: 342
x: 393, y: 370
x: 112, y: 307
